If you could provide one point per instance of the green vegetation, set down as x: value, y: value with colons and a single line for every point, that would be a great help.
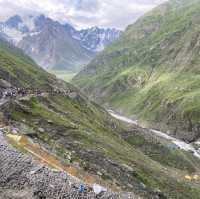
x: 63, y: 74
x: 153, y: 70
x: 21, y: 70
x: 71, y: 125
x: 76, y: 127
x: 164, y: 154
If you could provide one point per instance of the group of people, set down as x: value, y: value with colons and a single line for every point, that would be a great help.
x: 12, y: 92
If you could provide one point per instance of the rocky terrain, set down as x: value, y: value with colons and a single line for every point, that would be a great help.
x: 96, y: 39
x: 53, y: 45
x: 82, y: 135
x: 23, y: 177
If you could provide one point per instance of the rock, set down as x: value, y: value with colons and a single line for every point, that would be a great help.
x: 41, y: 130
x: 130, y: 186
x: 99, y: 173
x: 143, y: 185
x: 98, y: 189
x: 14, y: 131
x: 73, y: 95
x: 4, y: 84
x: 128, y: 167
x: 69, y: 157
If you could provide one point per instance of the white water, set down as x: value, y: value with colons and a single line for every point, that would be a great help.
x: 181, y: 144
x: 122, y: 118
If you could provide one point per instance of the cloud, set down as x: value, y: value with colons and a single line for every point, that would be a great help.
x: 81, y: 13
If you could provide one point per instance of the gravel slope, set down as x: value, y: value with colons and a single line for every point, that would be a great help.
x: 22, y: 177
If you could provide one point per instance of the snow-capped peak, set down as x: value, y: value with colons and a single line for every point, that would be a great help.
x: 95, y: 38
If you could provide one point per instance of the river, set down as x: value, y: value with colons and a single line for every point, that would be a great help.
x: 179, y: 143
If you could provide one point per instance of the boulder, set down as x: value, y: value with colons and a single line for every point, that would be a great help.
x: 4, y: 84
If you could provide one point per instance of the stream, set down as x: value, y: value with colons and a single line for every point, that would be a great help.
x: 179, y: 143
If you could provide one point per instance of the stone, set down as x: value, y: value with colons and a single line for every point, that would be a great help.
x: 99, y: 173
x: 41, y: 130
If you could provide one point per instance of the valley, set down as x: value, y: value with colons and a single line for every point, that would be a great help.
x: 98, y: 112
x: 187, y: 162
x: 63, y: 74
x: 178, y: 144
x: 152, y: 71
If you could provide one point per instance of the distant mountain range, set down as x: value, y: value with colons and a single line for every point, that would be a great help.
x: 54, y: 45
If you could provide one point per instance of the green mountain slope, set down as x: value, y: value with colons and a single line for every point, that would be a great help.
x: 85, y: 136
x: 21, y: 70
x: 153, y: 70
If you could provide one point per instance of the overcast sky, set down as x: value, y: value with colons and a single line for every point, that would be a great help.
x: 81, y: 13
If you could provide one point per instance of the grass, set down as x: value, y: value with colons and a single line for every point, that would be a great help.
x: 80, y: 127
x: 63, y: 74
x: 21, y: 70
x: 167, y: 157
x: 153, y: 70
x: 75, y: 121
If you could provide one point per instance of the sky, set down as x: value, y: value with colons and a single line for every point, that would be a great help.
x: 82, y: 13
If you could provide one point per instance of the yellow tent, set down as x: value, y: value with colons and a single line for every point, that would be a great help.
x: 187, y: 177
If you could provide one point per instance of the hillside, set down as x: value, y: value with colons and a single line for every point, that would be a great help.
x: 84, y: 136
x: 152, y: 72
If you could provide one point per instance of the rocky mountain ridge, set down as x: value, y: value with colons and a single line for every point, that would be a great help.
x: 54, y: 45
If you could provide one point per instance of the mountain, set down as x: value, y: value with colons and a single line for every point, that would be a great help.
x: 53, y: 45
x: 83, y: 136
x: 95, y: 39
x: 152, y: 71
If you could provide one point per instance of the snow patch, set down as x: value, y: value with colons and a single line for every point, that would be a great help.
x: 29, y: 22
x: 13, y: 34
x: 34, y: 33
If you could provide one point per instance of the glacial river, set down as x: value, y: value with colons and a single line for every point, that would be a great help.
x: 179, y: 143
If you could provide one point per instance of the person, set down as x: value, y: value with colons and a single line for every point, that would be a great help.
x: 81, y: 188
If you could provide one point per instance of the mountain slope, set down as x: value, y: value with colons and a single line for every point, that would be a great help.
x: 56, y: 46
x: 83, y: 135
x: 21, y: 70
x: 153, y: 70
x: 52, y: 46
